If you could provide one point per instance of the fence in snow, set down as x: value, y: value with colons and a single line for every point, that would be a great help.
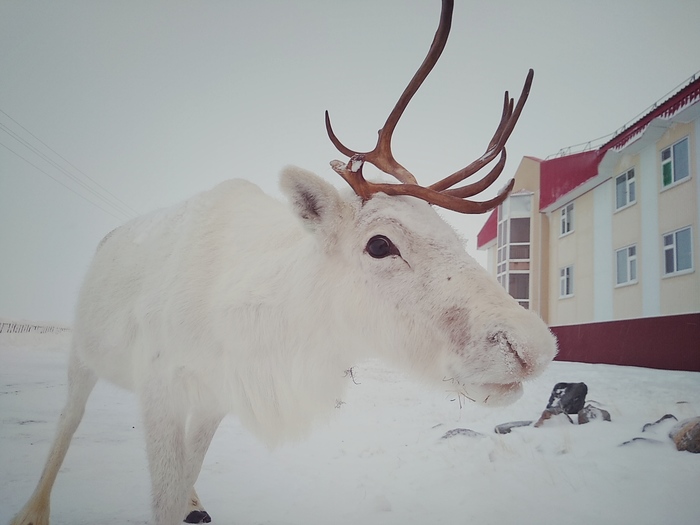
x: 24, y: 328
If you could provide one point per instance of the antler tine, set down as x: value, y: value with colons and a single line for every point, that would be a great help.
x: 492, y: 150
x: 336, y: 142
x: 381, y: 156
x: 509, y: 118
x: 436, y: 49
x: 441, y: 193
x: 353, y: 176
x: 352, y: 173
x: 477, y: 187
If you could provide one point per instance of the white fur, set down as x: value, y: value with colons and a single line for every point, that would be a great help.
x: 230, y: 303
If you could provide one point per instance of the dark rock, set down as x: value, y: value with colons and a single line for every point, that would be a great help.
x: 686, y: 435
x: 590, y: 413
x: 649, y: 426
x: 505, y: 428
x: 569, y: 397
x: 638, y: 440
x: 462, y: 432
x: 553, y: 415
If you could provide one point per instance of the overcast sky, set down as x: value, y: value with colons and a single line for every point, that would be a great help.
x: 155, y: 101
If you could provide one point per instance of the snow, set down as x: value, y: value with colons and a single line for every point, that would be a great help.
x: 355, y: 165
x: 380, y: 459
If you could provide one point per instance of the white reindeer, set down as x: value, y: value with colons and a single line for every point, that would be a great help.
x: 231, y: 302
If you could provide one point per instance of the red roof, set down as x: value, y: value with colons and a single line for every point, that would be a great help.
x: 488, y: 231
x: 680, y: 100
x: 560, y: 175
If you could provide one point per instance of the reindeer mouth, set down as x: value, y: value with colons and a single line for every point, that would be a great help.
x: 493, y: 394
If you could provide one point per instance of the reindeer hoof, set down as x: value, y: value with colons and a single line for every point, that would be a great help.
x: 198, y: 516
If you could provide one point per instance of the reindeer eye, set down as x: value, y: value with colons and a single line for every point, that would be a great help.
x: 380, y: 247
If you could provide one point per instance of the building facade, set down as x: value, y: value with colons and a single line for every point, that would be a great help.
x: 608, y: 234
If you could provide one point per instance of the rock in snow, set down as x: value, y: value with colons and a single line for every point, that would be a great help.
x: 590, y: 413
x: 505, y: 428
x: 569, y: 397
x: 650, y: 426
x: 462, y: 432
x: 553, y: 416
x: 638, y: 440
x: 686, y: 435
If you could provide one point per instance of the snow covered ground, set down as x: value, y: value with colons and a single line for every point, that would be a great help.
x: 379, y: 460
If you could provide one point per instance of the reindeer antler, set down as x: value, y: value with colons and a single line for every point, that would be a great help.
x: 441, y: 193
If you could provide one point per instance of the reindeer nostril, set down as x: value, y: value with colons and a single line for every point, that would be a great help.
x: 510, y: 349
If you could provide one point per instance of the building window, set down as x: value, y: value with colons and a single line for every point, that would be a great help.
x: 675, y: 165
x: 625, y: 190
x: 502, y: 247
x: 626, y: 265
x: 567, y: 219
x: 513, y: 247
x: 519, y: 288
x: 566, y: 281
x: 678, y: 252
x: 520, y: 239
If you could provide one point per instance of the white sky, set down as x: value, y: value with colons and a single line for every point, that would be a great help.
x: 158, y: 100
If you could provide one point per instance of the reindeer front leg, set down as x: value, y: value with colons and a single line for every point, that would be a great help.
x: 195, y: 512
x: 201, y: 428
x: 164, y: 421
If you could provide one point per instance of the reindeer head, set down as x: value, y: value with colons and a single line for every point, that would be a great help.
x: 398, y: 283
x: 416, y: 292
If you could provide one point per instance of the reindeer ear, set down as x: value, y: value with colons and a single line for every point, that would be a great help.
x: 316, y: 202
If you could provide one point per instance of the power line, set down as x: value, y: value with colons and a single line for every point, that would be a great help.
x: 61, y: 169
x: 132, y: 210
x: 115, y: 202
x: 61, y: 182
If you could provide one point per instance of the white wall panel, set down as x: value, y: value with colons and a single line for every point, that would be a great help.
x: 650, y: 245
x: 602, y: 252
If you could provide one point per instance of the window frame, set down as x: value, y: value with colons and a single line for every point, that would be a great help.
x: 631, y: 261
x: 673, y: 247
x: 566, y: 273
x: 506, y: 264
x: 524, y: 302
x: 519, y: 244
x: 672, y: 161
x: 630, y: 181
x: 566, y: 218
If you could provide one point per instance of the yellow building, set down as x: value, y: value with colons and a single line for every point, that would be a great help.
x: 611, y: 233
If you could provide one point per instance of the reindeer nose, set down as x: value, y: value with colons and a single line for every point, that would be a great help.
x: 512, y: 352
